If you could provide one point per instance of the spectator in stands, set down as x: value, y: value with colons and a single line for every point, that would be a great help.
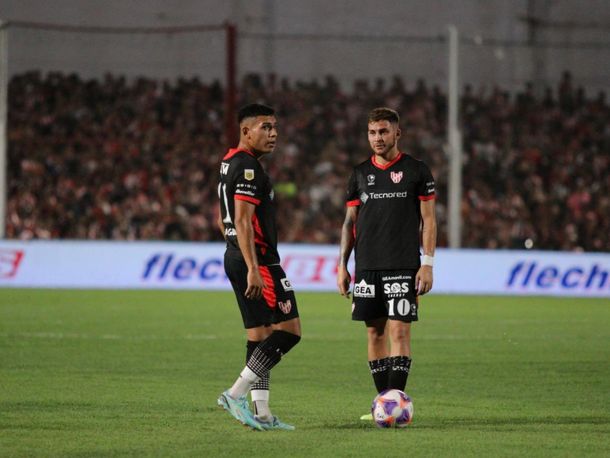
x: 112, y: 159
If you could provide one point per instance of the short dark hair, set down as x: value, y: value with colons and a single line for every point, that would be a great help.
x: 383, y: 114
x: 253, y: 110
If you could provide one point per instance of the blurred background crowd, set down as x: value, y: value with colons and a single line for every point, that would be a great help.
x: 138, y: 159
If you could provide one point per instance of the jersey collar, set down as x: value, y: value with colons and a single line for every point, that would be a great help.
x: 389, y: 164
x: 233, y: 151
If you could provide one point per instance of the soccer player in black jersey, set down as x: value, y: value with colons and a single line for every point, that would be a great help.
x: 265, y: 297
x: 390, y: 207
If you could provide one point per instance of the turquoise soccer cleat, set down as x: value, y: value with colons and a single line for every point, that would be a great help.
x: 275, y: 423
x: 240, y: 410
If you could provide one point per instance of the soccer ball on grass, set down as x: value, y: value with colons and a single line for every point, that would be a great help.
x: 392, y: 409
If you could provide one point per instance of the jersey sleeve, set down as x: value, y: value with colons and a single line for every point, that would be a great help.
x: 425, y: 187
x: 249, y: 184
x: 353, y: 195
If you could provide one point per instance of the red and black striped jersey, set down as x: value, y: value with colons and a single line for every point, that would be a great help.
x: 388, y: 223
x: 242, y: 178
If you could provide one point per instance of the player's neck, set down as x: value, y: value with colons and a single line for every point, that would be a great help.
x: 386, y: 158
x: 245, y: 147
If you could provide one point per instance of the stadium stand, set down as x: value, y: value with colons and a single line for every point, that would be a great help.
x: 138, y: 160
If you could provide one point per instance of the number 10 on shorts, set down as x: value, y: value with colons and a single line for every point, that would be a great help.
x: 402, y: 307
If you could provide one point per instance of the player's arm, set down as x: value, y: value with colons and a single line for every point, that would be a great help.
x: 219, y: 222
x: 245, y: 238
x: 423, y: 279
x: 347, y: 244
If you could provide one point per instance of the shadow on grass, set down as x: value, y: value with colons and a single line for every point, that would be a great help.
x: 490, y: 423
x: 512, y: 422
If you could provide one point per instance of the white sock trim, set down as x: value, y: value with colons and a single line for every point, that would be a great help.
x: 244, y: 382
x: 259, y: 395
x: 249, y: 375
x: 261, y: 406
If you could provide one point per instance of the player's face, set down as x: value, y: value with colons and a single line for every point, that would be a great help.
x: 261, y: 134
x: 383, y: 136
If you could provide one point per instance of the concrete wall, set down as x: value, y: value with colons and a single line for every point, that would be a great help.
x: 348, y: 58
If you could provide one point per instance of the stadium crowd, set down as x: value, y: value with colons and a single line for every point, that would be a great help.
x: 119, y: 159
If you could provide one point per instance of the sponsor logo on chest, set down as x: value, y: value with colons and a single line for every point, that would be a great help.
x: 387, y: 195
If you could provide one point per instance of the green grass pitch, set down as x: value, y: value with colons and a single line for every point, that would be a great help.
x: 116, y: 373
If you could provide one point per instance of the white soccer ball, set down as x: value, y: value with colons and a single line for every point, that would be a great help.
x: 392, y: 409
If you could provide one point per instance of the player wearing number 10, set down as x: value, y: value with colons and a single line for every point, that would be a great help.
x: 390, y: 196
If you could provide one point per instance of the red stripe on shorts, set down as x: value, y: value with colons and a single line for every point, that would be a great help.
x: 269, y: 290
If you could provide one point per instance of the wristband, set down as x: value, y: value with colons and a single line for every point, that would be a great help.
x: 427, y: 260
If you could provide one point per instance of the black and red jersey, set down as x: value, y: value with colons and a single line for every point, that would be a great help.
x: 242, y: 178
x: 388, y: 199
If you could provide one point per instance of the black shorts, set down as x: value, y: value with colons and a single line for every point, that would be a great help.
x: 385, y: 293
x: 278, y: 302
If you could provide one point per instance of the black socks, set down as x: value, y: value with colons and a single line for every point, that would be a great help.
x: 399, y: 371
x: 269, y: 352
x: 263, y: 383
x: 380, y: 372
x: 390, y: 373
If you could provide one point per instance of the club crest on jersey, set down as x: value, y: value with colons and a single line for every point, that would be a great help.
x: 363, y: 289
x: 396, y: 176
x: 285, y: 307
x: 249, y: 174
x: 370, y: 179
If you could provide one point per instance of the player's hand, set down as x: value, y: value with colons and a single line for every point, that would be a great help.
x: 255, y: 285
x: 423, y: 280
x: 343, y: 281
